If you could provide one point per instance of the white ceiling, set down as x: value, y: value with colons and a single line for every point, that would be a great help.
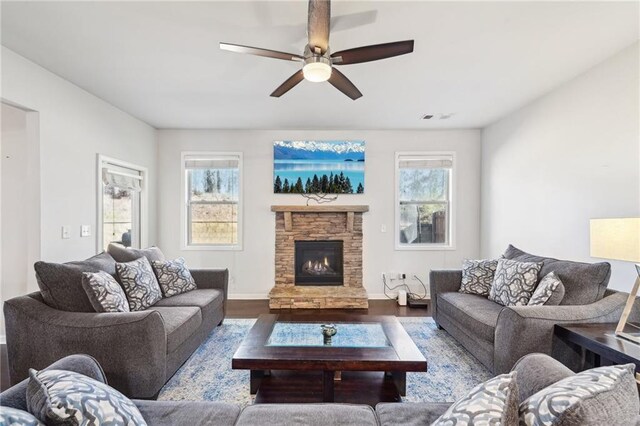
x: 160, y: 61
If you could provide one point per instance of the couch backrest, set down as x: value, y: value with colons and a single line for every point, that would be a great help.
x: 584, y: 283
x: 61, y: 283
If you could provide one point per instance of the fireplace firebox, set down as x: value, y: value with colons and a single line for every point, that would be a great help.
x: 318, y: 263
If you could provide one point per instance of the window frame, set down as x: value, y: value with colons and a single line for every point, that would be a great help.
x: 185, y: 214
x: 452, y: 203
x: 143, y: 211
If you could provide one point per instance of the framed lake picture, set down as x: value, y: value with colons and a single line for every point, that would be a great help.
x: 310, y: 167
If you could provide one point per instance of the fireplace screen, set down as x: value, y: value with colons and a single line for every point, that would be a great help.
x: 318, y: 263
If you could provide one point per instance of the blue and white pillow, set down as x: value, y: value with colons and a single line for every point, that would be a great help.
x: 139, y: 283
x: 173, y: 276
x: 104, y: 292
x: 58, y: 397
x: 14, y: 417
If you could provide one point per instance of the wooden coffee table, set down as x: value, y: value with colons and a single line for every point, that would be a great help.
x: 366, y: 362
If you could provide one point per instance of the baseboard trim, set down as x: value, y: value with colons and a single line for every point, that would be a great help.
x: 248, y: 296
x: 3, y: 339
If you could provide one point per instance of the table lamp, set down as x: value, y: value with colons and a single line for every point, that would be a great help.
x: 619, y: 239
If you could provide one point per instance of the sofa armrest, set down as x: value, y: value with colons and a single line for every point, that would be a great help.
x: 131, y: 347
x: 442, y: 281
x: 212, y: 278
x: 16, y: 396
x: 522, y: 330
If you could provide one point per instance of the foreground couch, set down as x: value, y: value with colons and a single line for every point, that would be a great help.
x: 139, y: 351
x: 498, y: 336
x: 534, y: 373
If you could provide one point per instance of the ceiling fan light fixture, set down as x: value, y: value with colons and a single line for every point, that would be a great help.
x: 317, y: 69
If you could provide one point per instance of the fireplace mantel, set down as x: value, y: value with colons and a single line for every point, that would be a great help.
x: 320, y: 209
x: 349, y: 210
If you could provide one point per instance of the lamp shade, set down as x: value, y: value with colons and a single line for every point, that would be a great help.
x: 617, y: 239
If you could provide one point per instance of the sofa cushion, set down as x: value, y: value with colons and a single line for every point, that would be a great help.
x: 307, y: 414
x: 14, y: 417
x: 61, y: 283
x: 476, y: 313
x: 126, y: 254
x: 179, y: 323
x: 192, y: 413
x: 59, y: 397
x: 549, y: 292
x: 104, y: 292
x: 600, y: 396
x: 200, y: 297
x: 494, y: 402
x: 584, y: 283
x: 514, y: 282
x: 173, y: 276
x: 139, y: 283
x: 409, y: 414
x: 477, y: 276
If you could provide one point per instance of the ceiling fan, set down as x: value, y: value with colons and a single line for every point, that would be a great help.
x: 318, y: 61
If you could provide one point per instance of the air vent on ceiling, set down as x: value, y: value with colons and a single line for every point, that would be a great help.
x: 439, y: 116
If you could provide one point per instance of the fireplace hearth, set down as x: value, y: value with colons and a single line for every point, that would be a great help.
x: 318, y: 263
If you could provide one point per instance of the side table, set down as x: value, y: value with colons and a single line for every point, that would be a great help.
x: 601, y: 341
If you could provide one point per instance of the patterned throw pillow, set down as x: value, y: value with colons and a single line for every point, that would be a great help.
x: 139, y: 283
x: 550, y: 291
x: 14, y: 417
x: 494, y: 402
x: 600, y: 396
x: 104, y: 292
x: 514, y: 282
x: 58, y: 397
x: 173, y: 276
x: 477, y: 276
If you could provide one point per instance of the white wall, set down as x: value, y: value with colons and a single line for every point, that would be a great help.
x: 15, y: 183
x: 570, y: 156
x: 252, y: 270
x: 74, y: 127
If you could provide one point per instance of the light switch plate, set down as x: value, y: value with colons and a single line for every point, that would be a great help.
x: 85, y: 231
x: 66, y: 233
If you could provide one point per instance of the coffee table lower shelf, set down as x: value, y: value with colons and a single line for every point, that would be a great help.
x: 355, y: 387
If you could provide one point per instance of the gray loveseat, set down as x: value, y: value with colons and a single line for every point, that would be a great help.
x: 498, y: 336
x: 534, y: 373
x: 139, y: 351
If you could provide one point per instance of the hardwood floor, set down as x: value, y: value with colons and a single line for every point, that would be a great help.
x: 254, y: 308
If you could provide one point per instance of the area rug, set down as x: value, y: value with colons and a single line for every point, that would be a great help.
x: 207, y: 374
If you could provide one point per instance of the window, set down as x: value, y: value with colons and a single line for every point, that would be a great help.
x: 120, y: 199
x: 212, y: 194
x: 424, y: 211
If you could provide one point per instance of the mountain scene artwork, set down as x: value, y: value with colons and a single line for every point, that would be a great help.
x: 310, y: 167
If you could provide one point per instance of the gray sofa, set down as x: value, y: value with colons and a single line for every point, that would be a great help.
x: 498, y: 336
x: 139, y: 351
x: 535, y: 372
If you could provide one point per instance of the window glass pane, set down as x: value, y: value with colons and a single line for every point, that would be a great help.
x: 213, y: 197
x: 423, y: 223
x: 118, y: 216
x: 424, y: 184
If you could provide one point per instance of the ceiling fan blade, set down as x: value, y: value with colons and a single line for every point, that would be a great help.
x: 318, y: 24
x: 343, y: 84
x: 261, y: 52
x: 372, y: 53
x: 289, y: 84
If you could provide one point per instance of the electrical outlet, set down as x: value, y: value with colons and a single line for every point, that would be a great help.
x: 85, y: 231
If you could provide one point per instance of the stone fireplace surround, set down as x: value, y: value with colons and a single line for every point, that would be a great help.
x: 316, y: 223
